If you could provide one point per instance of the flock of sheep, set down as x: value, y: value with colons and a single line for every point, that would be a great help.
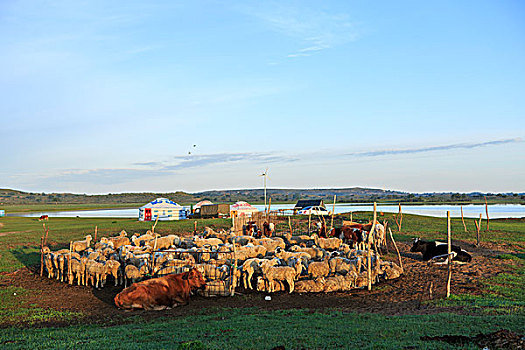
x: 269, y: 264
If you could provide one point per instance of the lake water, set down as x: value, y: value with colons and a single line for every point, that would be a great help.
x: 469, y: 211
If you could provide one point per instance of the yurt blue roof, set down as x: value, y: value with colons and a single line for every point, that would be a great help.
x: 162, y: 203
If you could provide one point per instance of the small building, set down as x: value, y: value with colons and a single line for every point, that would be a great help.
x: 242, y: 208
x: 200, y: 204
x: 303, y: 203
x: 163, y: 209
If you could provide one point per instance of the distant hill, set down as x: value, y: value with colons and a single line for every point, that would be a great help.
x: 348, y: 195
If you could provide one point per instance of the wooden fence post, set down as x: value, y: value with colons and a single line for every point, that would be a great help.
x: 463, y: 220
x: 42, y: 256
x: 397, y: 250
x: 96, y: 230
x: 368, y: 255
x: 309, y: 222
x: 385, y: 225
x: 449, y: 258
x: 478, y: 228
x: 487, y: 211
x: 69, y: 272
x: 400, y: 217
x: 47, y: 231
x: 290, y: 225
x: 233, y: 282
x: 333, y: 211
x: 155, y: 224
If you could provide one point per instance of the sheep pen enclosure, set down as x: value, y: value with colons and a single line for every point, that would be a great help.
x: 30, y: 300
x: 277, y: 262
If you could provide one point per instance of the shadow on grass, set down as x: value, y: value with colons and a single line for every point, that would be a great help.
x: 29, y: 256
x: 107, y: 293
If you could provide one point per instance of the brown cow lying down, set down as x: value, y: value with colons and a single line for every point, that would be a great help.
x: 160, y: 293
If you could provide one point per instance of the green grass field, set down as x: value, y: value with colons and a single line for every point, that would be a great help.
x: 251, y: 328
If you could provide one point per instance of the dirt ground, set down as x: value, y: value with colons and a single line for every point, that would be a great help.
x: 405, y: 295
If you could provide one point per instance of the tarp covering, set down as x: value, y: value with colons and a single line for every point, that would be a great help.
x: 201, y: 203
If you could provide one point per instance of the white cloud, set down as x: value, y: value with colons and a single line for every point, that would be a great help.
x: 314, y: 30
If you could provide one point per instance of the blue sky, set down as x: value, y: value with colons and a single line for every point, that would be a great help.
x: 111, y: 96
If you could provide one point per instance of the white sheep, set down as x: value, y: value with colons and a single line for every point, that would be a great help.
x: 281, y: 273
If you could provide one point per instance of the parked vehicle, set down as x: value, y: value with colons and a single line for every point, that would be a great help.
x: 315, y: 210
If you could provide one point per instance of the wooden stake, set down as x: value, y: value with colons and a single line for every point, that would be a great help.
x: 369, y: 255
x: 487, y: 211
x: 155, y: 224
x: 449, y: 259
x: 269, y: 206
x: 195, y: 227
x: 478, y: 228
x: 309, y: 222
x: 234, y: 270
x: 96, y: 230
x: 430, y: 290
x: 397, y: 250
x: 42, y: 256
x: 463, y: 220
x: 46, y: 229
x: 385, y: 243
x: 333, y: 211
x: 69, y: 272
x: 400, y: 217
x: 290, y: 225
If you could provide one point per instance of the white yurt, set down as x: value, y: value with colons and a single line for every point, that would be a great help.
x: 163, y: 209
x: 242, y: 208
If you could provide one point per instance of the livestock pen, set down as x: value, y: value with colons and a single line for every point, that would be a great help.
x: 395, y: 314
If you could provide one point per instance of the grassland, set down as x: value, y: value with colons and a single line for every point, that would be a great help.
x: 500, y: 306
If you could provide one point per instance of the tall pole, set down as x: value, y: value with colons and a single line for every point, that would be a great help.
x: 265, y: 192
x: 449, y: 259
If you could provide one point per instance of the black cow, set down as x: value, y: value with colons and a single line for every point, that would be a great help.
x: 433, y: 249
